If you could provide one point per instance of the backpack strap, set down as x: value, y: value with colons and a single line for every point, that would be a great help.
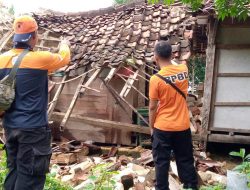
x: 172, y: 84
x: 11, y: 77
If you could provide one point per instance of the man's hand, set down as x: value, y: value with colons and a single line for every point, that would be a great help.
x: 153, y: 105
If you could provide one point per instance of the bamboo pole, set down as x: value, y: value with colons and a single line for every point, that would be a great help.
x: 138, y: 74
x: 151, y: 67
x: 78, y: 90
x: 117, y: 99
x: 56, y: 96
x: 129, y: 82
x: 125, y: 101
x: 133, y: 87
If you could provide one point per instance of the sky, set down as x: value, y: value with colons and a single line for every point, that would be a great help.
x: 25, y: 6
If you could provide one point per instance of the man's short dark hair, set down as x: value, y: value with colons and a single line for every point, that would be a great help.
x: 163, y: 49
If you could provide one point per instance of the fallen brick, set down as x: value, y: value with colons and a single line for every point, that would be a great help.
x: 66, y: 159
x: 84, y: 166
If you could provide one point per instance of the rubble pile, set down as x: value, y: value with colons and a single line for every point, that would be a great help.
x: 87, y: 166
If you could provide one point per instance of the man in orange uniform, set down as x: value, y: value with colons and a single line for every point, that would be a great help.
x: 27, y: 134
x: 169, y: 120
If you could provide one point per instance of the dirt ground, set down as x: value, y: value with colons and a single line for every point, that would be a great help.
x: 220, y: 152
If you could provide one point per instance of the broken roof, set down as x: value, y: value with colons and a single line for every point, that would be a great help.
x: 5, y: 21
x: 111, y: 35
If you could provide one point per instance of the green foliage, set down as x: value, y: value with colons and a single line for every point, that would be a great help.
x: 233, y: 8
x: 119, y: 2
x: 224, y: 8
x: 198, y: 66
x: 240, y: 154
x: 216, y: 187
x: 101, y: 178
x: 51, y: 182
x: 54, y: 184
x: 3, y: 167
x: 244, y: 167
x: 12, y: 10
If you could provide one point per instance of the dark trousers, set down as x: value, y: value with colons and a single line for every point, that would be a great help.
x: 28, y: 158
x: 181, y: 144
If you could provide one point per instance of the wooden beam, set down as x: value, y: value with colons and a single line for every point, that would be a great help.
x: 41, y: 45
x: 110, y: 75
x: 107, y: 124
x: 232, y: 104
x: 138, y: 74
x: 129, y: 83
x: 233, y: 46
x: 230, y: 130
x: 141, y: 87
x: 50, y: 39
x: 139, y: 115
x: 104, y: 123
x: 133, y: 87
x: 233, y: 74
x: 234, y: 23
x: 229, y: 139
x: 210, y: 66
x: 78, y: 90
x: 5, y: 39
x: 56, y: 96
x: 117, y: 99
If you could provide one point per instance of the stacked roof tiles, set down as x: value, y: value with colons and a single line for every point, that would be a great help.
x: 110, y: 36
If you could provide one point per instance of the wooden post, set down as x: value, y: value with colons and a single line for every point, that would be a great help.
x: 129, y: 83
x: 78, y: 90
x: 142, y: 88
x: 117, y: 99
x: 104, y: 123
x: 135, y: 88
x: 193, y: 78
x: 56, y: 96
x: 40, y: 46
x: 210, y: 63
x: 117, y: 94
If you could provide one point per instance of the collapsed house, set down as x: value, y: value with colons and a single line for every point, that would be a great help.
x: 102, y: 94
x: 114, y: 47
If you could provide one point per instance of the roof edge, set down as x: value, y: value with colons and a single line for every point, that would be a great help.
x: 102, y: 11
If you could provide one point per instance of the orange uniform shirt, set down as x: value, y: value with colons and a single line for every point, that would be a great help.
x: 172, y: 113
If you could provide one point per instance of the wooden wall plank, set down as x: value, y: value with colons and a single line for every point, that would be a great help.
x: 233, y: 89
x: 229, y: 139
x: 233, y: 74
x: 209, y: 74
x: 235, y: 117
x: 234, y: 61
x: 78, y: 89
x: 232, y: 104
x: 233, y: 36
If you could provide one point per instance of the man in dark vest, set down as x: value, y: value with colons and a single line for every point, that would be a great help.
x: 28, y: 138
